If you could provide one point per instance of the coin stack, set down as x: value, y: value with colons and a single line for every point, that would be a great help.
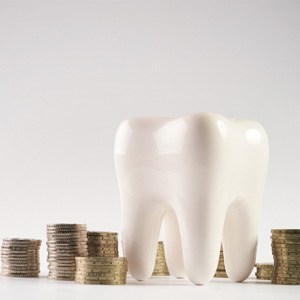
x: 104, y: 244
x: 160, y: 268
x: 101, y: 270
x: 221, y: 272
x: 20, y: 257
x: 65, y: 242
x: 286, y: 254
x: 264, y: 271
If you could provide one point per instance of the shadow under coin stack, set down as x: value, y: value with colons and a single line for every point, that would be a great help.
x: 65, y: 242
x: 101, y: 270
x: 160, y: 268
x: 264, y: 271
x: 104, y: 244
x: 221, y: 272
x: 20, y: 257
x: 286, y: 254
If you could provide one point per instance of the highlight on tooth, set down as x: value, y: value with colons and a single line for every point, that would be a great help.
x: 200, y: 179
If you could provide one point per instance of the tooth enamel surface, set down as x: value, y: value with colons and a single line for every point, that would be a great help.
x: 202, y: 177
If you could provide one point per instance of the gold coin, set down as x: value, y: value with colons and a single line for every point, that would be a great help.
x: 287, y: 267
x: 99, y: 274
x: 67, y: 278
x: 285, y: 283
x: 102, y: 233
x: 102, y: 267
x: 103, y: 243
x: 285, y: 231
x: 66, y: 225
x: 67, y: 244
x: 267, y: 265
x: 95, y: 270
x: 287, y: 244
x: 20, y: 275
x: 101, y: 259
x: 100, y: 282
x: 221, y: 275
x: 21, y: 241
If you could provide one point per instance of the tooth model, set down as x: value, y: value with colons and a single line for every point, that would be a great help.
x: 202, y: 177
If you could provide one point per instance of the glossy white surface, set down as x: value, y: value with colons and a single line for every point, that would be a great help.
x: 159, y: 288
x: 202, y: 175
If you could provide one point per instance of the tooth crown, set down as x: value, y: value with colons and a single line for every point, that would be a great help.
x: 202, y: 175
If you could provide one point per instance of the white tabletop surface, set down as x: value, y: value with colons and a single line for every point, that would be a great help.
x: 155, y: 288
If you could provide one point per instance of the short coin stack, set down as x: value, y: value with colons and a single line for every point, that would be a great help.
x: 101, y: 270
x: 104, y: 244
x: 20, y: 257
x: 264, y: 271
x: 286, y: 254
x: 65, y: 242
x: 221, y: 272
x: 160, y: 268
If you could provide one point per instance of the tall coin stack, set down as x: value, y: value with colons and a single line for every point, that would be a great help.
x: 20, y: 257
x: 65, y: 242
x: 160, y: 268
x: 286, y: 254
x: 104, y: 244
x: 221, y: 272
x: 264, y: 271
x: 101, y: 270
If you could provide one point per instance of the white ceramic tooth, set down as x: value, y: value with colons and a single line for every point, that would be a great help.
x: 203, y: 174
x: 172, y: 245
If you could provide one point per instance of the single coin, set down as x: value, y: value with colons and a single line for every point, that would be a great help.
x: 100, y: 269
x: 62, y: 267
x: 220, y: 275
x: 117, y: 279
x: 20, y: 275
x: 106, y: 282
x: 66, y: 225
x: 102, y: 233
x: 24, y: 250
x: 96, y: 270
x: 287, y: 244
x: 102, y: 243
x: 16, y: 263
x: 285, y: 231
x: 67, y: 246
x: 285, y: 283
x: 287, y: 267
x: 21, y: 241
x: 104, y: 246
x: 99, y: 264
x: 61, y: 252
x: 66, y: 278
x: 268, y: 265
x: 67, y: 230
x: 101, y: 259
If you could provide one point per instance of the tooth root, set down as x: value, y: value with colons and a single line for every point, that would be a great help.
x: 173, y: 249
x: 201, y: 236
x: 240, y: 239
x: 141, y: 226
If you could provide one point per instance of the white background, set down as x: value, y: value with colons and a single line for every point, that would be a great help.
x: 71, y: 71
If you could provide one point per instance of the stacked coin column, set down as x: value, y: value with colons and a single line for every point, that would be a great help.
x: 221, y: 272
x: 101, y: 270
x: 20, y: 257
x: 264, y: 271
x: 286, y: 254
x: 104, y: 244
x: 160, y: 268
x: 65, y: 242
x: 103, y: 266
